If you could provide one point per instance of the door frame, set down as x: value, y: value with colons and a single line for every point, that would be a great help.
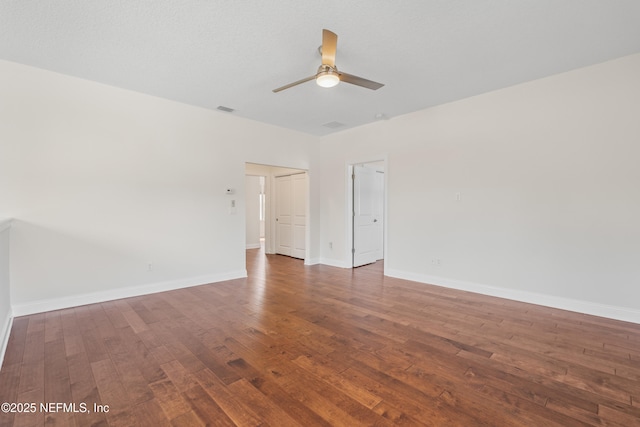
x: 349, y: 206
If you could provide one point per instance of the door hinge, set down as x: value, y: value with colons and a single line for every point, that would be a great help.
x: 353, y: 250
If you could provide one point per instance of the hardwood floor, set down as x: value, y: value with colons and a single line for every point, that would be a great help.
x: 317, y: 346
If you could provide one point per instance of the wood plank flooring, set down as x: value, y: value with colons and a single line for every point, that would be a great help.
x: 318, y: 346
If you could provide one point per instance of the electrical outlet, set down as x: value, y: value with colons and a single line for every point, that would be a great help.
x: 436, y: 262
x: 149, y: 266
x: 330, y: 245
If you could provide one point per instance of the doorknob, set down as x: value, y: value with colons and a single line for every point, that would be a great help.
x: 375, y: 220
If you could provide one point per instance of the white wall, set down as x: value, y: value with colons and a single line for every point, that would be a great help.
x: 5, y: 290
x: 548, y: 176
x: 102, y: 181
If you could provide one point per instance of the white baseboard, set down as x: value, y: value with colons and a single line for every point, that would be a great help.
x: 579, y: 306
x: 253, y: 245
x: 51, y: 304
x: 5, y: 331
x: 334, y: 263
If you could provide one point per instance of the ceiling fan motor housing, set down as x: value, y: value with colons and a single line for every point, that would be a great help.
x: 327, y: 76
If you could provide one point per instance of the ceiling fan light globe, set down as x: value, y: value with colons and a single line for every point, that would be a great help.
x: 327, y: 79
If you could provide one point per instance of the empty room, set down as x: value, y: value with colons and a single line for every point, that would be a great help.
x: 320, y: 213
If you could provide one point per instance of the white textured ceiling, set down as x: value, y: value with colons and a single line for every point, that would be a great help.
x: 234, y: 52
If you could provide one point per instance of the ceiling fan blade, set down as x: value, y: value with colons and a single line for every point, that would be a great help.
x: 329, y: 45
x: 355, y: 80
x: 306, y: 79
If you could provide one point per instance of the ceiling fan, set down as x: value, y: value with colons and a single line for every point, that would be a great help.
x: 328, y: 74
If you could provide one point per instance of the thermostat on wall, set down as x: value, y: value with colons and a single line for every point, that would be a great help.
x: 230, y: 191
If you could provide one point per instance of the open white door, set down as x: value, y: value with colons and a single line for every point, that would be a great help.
x: 378, y: 211
x: 367, y: 220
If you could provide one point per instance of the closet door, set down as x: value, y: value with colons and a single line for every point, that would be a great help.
x: 299, y: 189
x: 291, y: 215
x: 284, y: 214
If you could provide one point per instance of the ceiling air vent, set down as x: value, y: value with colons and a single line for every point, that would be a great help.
x: 225, y: 109
x: 333, y: 125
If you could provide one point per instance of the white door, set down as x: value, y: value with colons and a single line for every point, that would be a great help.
x: 299, y: 186
x: 366, y: 221
x: 284, y: 213
x: 378, y: 211
x: 291, y: 215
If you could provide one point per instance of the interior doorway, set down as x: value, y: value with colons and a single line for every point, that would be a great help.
x: 367, y: 212
x: 255, y: 210
x: 282, y: 203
